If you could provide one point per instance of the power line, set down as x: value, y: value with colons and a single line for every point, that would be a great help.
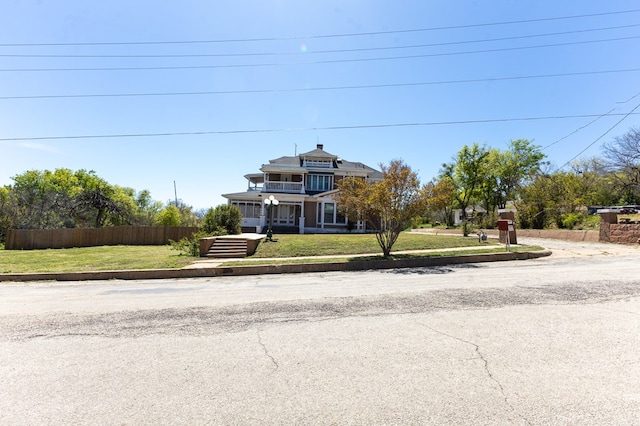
x: 315, y: 52
x: 313, y: 89
x: 303, y: 129
x: 334, y: 61
x: 579, y: 128
x: 309, y: 37
x: 604, y: 134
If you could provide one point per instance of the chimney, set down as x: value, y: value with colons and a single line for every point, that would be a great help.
x: 320, y: 146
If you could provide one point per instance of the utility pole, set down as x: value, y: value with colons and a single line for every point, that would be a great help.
x: 175, y: 192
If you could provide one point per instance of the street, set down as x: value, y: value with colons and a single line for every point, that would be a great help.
x: 548, y: 341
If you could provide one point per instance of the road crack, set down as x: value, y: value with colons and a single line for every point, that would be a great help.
x: 276, y: 366
x: 486, y: 366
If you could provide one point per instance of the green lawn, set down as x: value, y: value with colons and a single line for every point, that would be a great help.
x: 344, y: 244
x: 161, y: 257
x: 91, y: 259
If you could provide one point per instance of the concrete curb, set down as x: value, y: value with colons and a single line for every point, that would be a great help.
x: 356, y: 265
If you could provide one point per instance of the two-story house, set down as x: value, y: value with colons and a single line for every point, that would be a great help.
x: 304, y: 186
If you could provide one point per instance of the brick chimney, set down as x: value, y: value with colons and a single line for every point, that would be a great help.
x: 320, y: 146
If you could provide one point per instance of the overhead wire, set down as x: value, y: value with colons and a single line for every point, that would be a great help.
x: 332, y: 61
x: 627, y: 115
x: 328, y: 128
x: 315, y: 52
x: 313, y: 89
x: 307, y: 37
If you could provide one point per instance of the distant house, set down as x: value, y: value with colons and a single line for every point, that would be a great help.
x: 304, y: 186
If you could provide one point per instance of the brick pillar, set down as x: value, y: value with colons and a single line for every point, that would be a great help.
x: 509, y: 215
x: 607, y: 218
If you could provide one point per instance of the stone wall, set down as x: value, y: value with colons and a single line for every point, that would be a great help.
x: 620, y: 233
x: 624, y: 233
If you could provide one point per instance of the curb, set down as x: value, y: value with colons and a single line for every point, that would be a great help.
x: 356, y: 265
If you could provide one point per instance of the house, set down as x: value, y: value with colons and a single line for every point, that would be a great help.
x: 304, y: 186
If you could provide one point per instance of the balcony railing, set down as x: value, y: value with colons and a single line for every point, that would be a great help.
x: 288, y: 187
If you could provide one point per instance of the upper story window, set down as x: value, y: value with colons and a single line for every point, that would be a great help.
x: 327, y: 164
x: 319, y: 183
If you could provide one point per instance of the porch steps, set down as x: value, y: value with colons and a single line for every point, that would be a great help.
x: 224, y: 247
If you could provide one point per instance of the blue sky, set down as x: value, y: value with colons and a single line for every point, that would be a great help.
x: 438, y: 78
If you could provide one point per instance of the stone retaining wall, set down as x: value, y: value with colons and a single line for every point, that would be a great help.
x: 619, y: 233
x: 624, y: 233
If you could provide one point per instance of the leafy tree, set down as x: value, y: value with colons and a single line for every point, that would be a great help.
x: 517, y: 165
x: 188, y: 216
x: 146, y: 208
x: 170, y: 216
x: 535, y: 203
x: 387, y: 205
x: 440, y: 198
x: 223, y: 219
x: 466, y: 173
x: 98, y: 203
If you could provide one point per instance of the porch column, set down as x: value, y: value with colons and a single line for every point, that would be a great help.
x: 263, y: 217
x: 301, y: 224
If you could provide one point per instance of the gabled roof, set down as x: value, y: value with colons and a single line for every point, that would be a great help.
x: 319, y: 152
x: 295, y: 164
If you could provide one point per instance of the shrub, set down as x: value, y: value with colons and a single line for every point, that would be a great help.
x: 189, y: 246
x: 569, y: 220
x: 221, y: 220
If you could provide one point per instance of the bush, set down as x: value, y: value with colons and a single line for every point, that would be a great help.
x: 189, y: 246
x: 570, y: 220
x: 221, y: 220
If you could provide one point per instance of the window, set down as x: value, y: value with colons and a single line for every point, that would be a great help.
x: 328, y: 214
x: 329, y: 209
x: 248, y: 209
x: 319, y: 182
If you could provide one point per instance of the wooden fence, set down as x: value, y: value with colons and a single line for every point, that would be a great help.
x: 28, y: 239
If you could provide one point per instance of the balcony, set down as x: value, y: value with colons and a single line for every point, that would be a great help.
x: 284, y: 187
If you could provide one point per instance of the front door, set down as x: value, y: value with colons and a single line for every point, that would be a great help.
x: 284, y: 215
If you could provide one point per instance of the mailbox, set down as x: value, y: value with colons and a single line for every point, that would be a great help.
x: 504, y: 225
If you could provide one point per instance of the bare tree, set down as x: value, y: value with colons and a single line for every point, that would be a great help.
x: 623, y: 160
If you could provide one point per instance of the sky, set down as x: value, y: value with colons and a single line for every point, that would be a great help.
x: 188, y: 97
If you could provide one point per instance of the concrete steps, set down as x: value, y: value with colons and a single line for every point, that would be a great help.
x: 226, y: 247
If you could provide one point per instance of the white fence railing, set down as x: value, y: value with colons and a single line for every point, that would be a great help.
x: 290, y: 187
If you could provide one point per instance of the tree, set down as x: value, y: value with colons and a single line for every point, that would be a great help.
x: 170, y: 216
x: 146, y: 208
x: 440, y: 199
x: 187, y: 216
x: 623, y: 160
x: 466, y: 174
x: 516, y: 166
x: 224, y: 219
x: 387, y: 205
x: 99, y: 203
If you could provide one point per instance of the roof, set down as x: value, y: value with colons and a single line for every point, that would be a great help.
x: 294, y: 164
x: 318, y: 153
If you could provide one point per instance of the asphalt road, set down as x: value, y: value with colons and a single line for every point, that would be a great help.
x: 549, y: 341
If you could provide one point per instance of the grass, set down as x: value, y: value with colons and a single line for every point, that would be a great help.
x: 344, y: 247
x: 103, y: 258
x: 347, y: 244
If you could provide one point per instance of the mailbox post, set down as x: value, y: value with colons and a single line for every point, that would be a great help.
x: 506, y: 227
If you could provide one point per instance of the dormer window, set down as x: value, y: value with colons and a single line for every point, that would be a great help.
x: 325, y: 164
